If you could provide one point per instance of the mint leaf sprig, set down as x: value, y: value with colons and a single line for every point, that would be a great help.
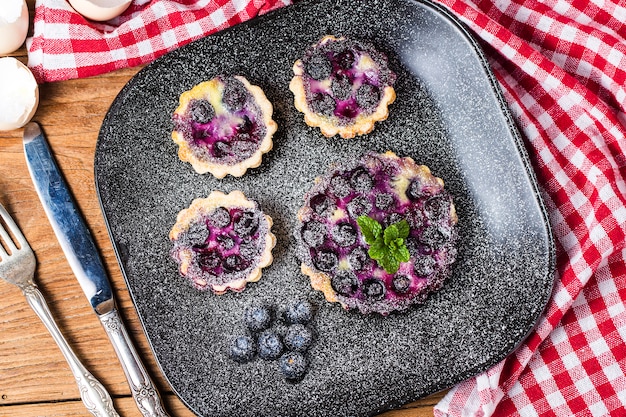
x: 387, y: 246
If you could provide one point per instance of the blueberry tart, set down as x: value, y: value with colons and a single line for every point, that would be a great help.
x: 223, y: 126
x: 222, y: 242
x: 337, y: 252
x: 343, y: 86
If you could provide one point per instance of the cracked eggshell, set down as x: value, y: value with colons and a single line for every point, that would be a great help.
x: 100, y: 10
x: 19, y: 94
x: 13, y: 25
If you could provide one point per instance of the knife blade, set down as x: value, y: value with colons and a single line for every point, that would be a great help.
x: 81, y: 252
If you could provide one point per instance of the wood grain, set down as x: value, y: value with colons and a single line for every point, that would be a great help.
x: 34, y: 377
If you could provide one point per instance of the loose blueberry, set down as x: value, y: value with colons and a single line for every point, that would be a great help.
x: 326, y: 260
x: 358, y: 206
x: 339, y: 186
x: 401, y: 283
x: 318, y: 67
x: 201, y: 111
x: 341, y: 88
x: 322, y: 204
x: 367, y: 97
x: 234, y: 263
x: 209, y: 259
x: 313, y: 233
x: 345, y: 59
x: 323, y: 104
x: 220, y: 217
x: 235, y: 94
x: 226, y: 241
x: 257, y: 318
x: 269, y: 345
x: 246, y: 223
x: 358, y: 258
x: 374, y: 289
x: 300, y: 312
x: 361, y: 180
x: 293, y: 365
x: 298, y: 338
x: 242, y: 349
x: 383, y: 201
x: 424, y: 266
x: 344, y: 234
x: 344, y: 283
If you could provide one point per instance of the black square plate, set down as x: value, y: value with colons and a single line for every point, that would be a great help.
x: 449, y: 115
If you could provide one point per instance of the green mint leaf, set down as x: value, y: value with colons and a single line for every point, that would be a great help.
x: 402, y: 254
x: 377, y: 249
x: 389, y: 263
x: 370, y: 228
x: 403, y: 228
x: 390, y: 234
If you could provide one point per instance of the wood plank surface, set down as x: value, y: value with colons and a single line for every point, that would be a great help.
x: 34, y: 377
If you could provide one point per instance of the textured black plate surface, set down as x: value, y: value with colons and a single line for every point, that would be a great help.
x: 449, y: 115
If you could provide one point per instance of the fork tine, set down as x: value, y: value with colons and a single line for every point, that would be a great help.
x: 4, y: 235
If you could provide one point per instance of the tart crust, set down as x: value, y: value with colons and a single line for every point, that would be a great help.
x: 331, y: 125
x: 212, y: 91
x: 199, y: 209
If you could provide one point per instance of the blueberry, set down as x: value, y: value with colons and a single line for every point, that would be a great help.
x: 415, y: 218
x: 358, y: 258
x: 298, y: 338
x: 367, y: 97
x: 437, y: 207
x: 201, y: 111
x: 318, y: 67
x: 323, y: 104
x: 242, y: 349
x: 246, y: 223
x: 358, y: 206
x: 234, y: 263
x: 392, y: 218
x: 414, y: 190
x: 293, y: 365
x: 226, y: 241
x: 221, y: 149
x: 220, y: 217
x: 339, y: 186
x: 345, y: 59
x: 401, y: 283
x: 433, y: 237
x: 383, y: 201
x: 209, y: 259
x: 341, y: 87
x: 235, y: 94
x: 361, y: 180
x: 197, y: 234
x: 344, y: 283
x: 300, y: 312
x: 322, y: 204
x: 413, y: 245
x: 245, y: 127
x: 243, y: 148
x: 248, y: 249
x: 374, y: 289
x: 257, y: 318
x: 313, y: 233
x: 344, y: 234
x: 424, y: 266
x: 326, y: 260
x: 269, y: 345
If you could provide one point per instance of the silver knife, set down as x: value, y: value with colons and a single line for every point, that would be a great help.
x: 84, y: 259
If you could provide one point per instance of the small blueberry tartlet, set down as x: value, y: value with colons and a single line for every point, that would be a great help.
x: 343, y: 86
x: 377, y: 233
x: 223, y: 126
x: 222, y: 242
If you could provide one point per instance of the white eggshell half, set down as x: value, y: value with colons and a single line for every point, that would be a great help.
x: 100, y: 10
x: 13, y: 32
x: 19, y: 94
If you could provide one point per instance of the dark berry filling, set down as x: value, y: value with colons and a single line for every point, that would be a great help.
x: 344, y: 78
x: 228, y: 133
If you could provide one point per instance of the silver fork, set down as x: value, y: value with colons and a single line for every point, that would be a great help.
x: 17, y: 266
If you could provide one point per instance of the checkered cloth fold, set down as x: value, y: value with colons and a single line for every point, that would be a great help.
x: 562, y: 67
x: 66, y: 45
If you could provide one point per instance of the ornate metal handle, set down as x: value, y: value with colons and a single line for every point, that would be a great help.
x: 92, y: 392
x: 145, y: 394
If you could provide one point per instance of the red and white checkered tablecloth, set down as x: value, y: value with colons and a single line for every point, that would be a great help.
x: 562, y: 67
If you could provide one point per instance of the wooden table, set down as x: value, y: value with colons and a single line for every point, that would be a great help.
x: 35, y: 380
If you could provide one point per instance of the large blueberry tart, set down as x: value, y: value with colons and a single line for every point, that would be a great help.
x: 343, y: 86
x: 404, y: 207
x: 223, y: 126
x: 221, y: 242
